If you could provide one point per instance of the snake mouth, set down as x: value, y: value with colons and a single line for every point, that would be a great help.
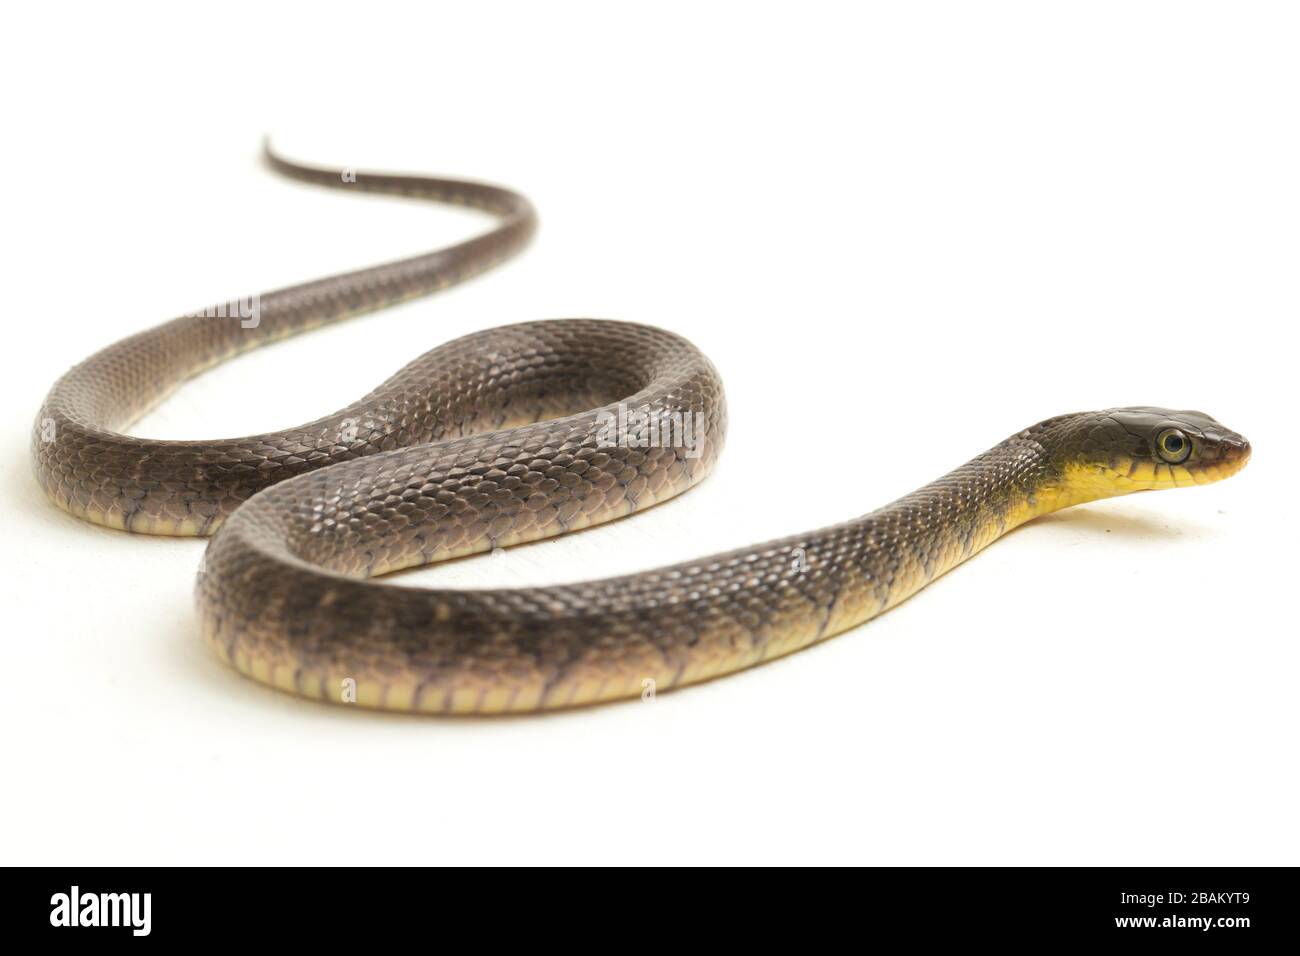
x: 1233, y: 454
x: 1219, y: 456
x: 1125, y: 475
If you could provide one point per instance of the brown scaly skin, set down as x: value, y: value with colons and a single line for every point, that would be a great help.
x: 505, y: 436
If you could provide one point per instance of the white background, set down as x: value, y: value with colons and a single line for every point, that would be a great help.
x: 901, y: 231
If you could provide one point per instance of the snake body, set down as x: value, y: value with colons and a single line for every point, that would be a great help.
x: 512, y: 435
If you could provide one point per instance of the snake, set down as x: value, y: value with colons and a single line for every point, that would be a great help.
x: 512, y: 435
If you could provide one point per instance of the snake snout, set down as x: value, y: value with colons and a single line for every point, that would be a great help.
x: 1235, y: 451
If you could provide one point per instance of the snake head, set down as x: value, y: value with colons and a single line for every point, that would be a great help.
x: 1144, y: 448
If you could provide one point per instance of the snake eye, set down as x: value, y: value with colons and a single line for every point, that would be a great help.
x: 1173, y: 446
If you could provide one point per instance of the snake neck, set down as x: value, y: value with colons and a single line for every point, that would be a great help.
x: 1043, y: 469
x: 921, y: 536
